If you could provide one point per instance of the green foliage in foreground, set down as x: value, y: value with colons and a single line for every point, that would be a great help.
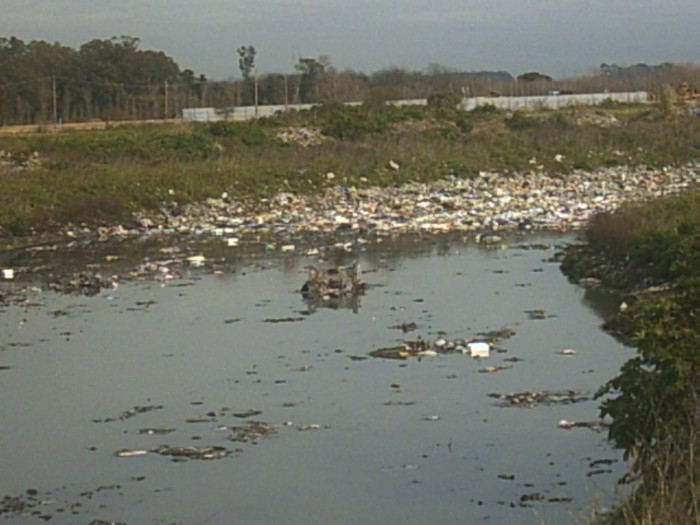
x: 96, y: 177
x: 653, y: 241
x: 654, y: 402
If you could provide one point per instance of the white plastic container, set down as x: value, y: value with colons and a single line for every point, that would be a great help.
x: 479, y: 349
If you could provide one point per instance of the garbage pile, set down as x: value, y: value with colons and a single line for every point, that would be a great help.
x: 488, y: 202
x: 304, y: 137
x: 9, y: 160
x: 478, y: 348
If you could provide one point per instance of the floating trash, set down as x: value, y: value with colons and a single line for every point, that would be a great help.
x: 156, y: 431
x: 283, y: 320
x: 333, y: 282
x: 252, y: 431
x: 139, y: 409
x: 478, y: 349
x: 421, y: 348
x: 538, y: 315
x: 247, y: 413
x: 494, y: 369
x: 309, y: 426
x: 130, y: 453
x: 496, y: 336
x: 405, y: 327
x: 196, y: 261
x: 83, y: 283
x: 408, y: 349
x: 545, y: 397
x: 206, y: 452
x: 594, y: 425
x: 488, y: 239
x: 339, y: 287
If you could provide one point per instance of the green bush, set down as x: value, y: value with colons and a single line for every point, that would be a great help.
x: 653, y: 402
x: 444, y: 100
x: 105, y: 146
x: 180, y: 146
x: 464, y: 124
x: 485, y: 109
x: 353, y: 122
x: 520, y: 121
x: 248, y: 133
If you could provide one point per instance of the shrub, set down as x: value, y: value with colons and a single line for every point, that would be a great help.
x: 444, y: 100
x: 249, y: 134
x: 464, y: 124
x: 350, y: 123
x: 485, y: 109
x: 180, y: 146
x: 654, y: 400
x: 519, y: 121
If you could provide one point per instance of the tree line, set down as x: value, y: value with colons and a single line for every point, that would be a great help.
x: 113, y: 79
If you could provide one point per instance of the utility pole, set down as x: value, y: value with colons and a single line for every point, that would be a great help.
x: 55, y: 108
x: 166, y: 101
x: 255, y: 79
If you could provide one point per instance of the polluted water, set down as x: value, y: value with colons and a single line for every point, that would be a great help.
x: 209, y: 389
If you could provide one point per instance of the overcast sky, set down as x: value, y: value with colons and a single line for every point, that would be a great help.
x: 556, y: 37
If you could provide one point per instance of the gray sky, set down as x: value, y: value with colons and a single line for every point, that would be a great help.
x: 556, y: 37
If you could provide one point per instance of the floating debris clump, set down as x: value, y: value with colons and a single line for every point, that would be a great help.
x: 544, y: 397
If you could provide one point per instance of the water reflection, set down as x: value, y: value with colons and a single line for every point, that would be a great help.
x: 602, y: 302
x: 230, y: 352
x: 350, y: 302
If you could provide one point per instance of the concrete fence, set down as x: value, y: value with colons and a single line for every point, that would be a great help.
x: 243, y: 113
x: 555, y: 101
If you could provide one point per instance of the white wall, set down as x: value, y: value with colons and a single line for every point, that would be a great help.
x: 244, y: 113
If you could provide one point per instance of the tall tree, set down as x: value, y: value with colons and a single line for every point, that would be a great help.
x: 246, y: 63
x: 246, y: 60
x: 310, y: 70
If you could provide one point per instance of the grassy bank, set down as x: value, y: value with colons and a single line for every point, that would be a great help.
x: 653, y: 253
x: 93, y: 177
